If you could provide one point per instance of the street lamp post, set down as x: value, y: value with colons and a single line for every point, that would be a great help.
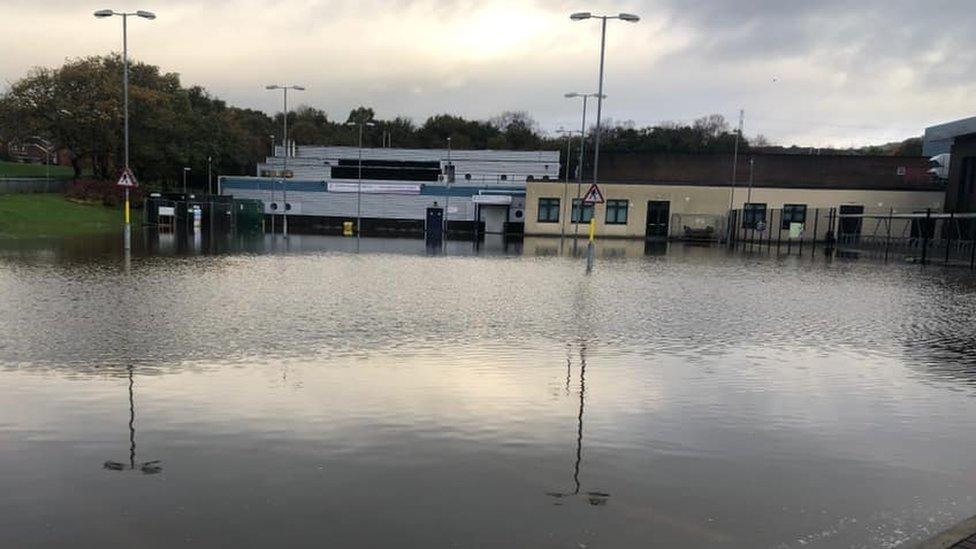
x: 447, y: 188
x: 580, y: 16
x: 210, y: 175
x: 272, y: 199
x: 569, y: 143
x: 284, y: 166
x: 186, y: 172
x: 359, y: 186
x: 579, y: 169
x: 127, y: 234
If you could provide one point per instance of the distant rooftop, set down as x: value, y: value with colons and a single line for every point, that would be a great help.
x: 938, y: 139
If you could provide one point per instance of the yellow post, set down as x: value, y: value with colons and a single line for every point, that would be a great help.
x: 592, y: 228
x: 127, y: 209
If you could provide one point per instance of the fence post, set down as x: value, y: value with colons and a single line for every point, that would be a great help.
x: 948, y: 236
x: 891, y: 213
x: 779, y: 232
x: 816, y: 225
x: 972, y: 242
x: 925, y: 234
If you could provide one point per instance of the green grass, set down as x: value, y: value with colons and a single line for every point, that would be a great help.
x: 23, y: 215
x: 17, y: 169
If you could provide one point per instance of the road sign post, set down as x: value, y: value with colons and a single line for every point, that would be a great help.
x: 592, y: 197
x: 127, y: 181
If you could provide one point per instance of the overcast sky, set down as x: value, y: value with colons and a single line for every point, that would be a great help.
x: 817, y: 73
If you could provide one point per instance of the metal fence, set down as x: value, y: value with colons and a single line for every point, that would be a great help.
x: 18, y: 185
x: 921, y: 236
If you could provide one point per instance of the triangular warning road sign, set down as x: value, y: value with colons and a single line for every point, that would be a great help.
x: 127, y: 179
x: 593, y: 196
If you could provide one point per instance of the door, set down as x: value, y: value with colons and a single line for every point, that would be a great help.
x: 435, y: 222
x: 658, y: 216
x: 850, y: 227
x: 494, y: 217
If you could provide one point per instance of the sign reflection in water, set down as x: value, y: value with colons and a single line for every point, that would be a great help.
x: 147, y: 467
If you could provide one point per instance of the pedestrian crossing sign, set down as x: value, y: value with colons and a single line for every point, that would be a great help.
x: 593, y: 196
x: 127, y: 179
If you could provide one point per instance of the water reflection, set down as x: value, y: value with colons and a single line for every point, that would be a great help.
x: 147, y: 467
x: 593, y: 497
x: 431, y: 401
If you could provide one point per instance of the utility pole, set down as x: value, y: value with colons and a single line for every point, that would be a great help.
x: 735, y: 169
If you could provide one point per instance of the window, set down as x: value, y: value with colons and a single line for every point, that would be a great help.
x: 548, y: 210
x: 587, y: 211
x: 616, y: 212
x: 967, y: 183
x: 793, y: 213
x: 752, y: 215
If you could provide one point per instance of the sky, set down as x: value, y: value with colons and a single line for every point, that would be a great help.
x: 814, y: 73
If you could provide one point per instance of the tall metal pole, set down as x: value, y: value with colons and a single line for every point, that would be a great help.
x: 599, y: 101
x: 562, y: 218
x: 284, y: 171
x: 579, y: 174
x: 735, y: 168
x: 273, y: 167
x: 590, y: 249
x: 447, y: 188
x: 359, y: 185
x: 127, y: 230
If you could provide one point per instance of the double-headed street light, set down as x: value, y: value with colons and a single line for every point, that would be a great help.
x: 580, y: 16
x: 101, y: 14
x: 359, y: 187
x: 284, y: 166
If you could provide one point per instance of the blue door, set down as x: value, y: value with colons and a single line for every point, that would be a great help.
x: 434, y: 227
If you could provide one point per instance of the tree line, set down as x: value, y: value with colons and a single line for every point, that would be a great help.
x: 78, y: 107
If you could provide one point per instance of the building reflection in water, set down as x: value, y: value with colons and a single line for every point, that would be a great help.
x: 593, y: 497
x: 146, y: 467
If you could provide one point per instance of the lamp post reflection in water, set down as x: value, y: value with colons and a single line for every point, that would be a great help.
x: 593, y: 497
x: 147, y: 467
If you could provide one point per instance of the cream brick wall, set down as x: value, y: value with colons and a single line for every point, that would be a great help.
x: 687, y: 199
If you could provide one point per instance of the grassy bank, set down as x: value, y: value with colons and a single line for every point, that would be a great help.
x: 53, y: 215
x: 17, y: 169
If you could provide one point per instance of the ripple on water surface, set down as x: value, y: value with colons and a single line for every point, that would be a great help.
x: 694, y: 398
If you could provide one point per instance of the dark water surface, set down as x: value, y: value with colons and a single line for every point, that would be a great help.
x: 306, y: 395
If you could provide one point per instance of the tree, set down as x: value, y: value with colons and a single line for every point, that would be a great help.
x: 78, y: 107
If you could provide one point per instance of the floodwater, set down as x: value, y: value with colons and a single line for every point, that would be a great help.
x: 254, y: 393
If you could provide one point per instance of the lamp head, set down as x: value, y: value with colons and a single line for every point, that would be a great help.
x: 146, y: 14
x: 104, y: 13
x: 299, y: 88
x: 272, y: 87
x: 571, y: 95
x: 629, y: 17
x: 580, y: 15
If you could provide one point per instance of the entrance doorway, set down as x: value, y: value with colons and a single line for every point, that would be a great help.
x: 850, y: 227
x: 658, y: 217
x: 434, y: 226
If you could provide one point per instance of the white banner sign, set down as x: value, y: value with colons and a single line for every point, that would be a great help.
x: 374, y: 188
x: 496, y: 199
